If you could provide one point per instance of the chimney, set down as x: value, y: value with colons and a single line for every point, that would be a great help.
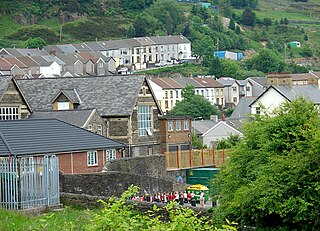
x: 52, y: 52
x: 223, y: 117
x: 214, y: 118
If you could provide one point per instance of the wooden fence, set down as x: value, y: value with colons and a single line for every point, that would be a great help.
x: 196, y: 158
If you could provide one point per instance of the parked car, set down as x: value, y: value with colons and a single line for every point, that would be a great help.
x: 161, y: 64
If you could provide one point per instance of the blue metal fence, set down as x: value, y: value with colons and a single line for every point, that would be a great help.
x: 29, y: 182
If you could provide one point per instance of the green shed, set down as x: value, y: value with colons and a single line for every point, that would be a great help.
x: 201, y: 176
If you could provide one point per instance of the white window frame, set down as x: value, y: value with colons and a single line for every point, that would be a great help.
x: 111, y: 154
x: 63, y: 106
x: 99, y: 129
x: 144, y: 120
x: 186, y: 125
x: 92, y: 158
x: 178, y: 125
x: 170, y: 126
x: 9, y: 113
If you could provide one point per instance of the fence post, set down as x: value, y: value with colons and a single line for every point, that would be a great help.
x: 202, y: 159
x: 178, y: 165
x: 212, y: 156
x: 222, y: 155
x: 190, y: 156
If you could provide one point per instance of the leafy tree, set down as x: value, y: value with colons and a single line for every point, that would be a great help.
x: 244, y: 3
x: 35, y: 43
x: 203, y: 47
x: 229, y: 142
x: 144, y: 24
x: 194, y: 105
x: 248, y: 17
x: 267, y: 22
x: 237, y: 30
x: 243, y: 74
x: 232, y: 25
x: 266, y: 61
x: 271, y: 180
x: 306, y: 51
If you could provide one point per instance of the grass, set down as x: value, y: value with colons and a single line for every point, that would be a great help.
x: 68, y: 219
x: 7, y: 26
x: 185, y: 70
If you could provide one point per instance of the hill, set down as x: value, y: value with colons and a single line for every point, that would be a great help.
x: 73, y: 21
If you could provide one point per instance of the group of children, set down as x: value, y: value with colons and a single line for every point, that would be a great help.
x: 181, y: 198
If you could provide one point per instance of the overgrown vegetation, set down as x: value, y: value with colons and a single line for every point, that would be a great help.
x: 271, y: 180
x: 116, y: 214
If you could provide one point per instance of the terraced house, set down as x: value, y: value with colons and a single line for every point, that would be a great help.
x: 126, y: 104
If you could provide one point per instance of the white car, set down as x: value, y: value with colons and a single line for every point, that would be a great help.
x: 161, y: 64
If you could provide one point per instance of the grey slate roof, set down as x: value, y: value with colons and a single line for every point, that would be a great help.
x: 69, y: 93
x: 170, y: 39
x: 4, y: 82
x: 95, y: 46
x: 243, y: 110
x: 111, y: 95
x: 202, y: 126
x: 48, y: 136
x: 75, y: 117
x: 32, y: 52
x: 226, y: 81
x: 82, y: 47
x: 184, y: 81
x: 260, y: 80
x: 310, y: 92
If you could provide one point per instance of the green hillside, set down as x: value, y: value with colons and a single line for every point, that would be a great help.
x: 62, y: 21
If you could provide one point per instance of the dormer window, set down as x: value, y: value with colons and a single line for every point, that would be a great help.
x: 63, y: 105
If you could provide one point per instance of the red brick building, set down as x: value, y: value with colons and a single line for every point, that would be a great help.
x: 175, y: 133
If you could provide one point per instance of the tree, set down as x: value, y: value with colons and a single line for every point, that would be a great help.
x: 248, y: 17
x: 244, y: 3
x: 271, y: 180
x: 238, y: 30
x: 193, y: 105
x: 232, y: 25
x: 267, y: 22
x: 231, y: 141
x: 306, y: 51
x: 35, y: 43
x: 266, y: 61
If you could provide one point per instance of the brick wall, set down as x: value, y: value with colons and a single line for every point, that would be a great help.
x: 76, y: 162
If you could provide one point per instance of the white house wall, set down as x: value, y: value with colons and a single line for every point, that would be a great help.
x: 271, y: 99
x: 222, y: 130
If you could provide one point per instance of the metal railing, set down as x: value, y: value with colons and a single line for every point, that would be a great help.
x: 195, y: 158
x: 29, y: 182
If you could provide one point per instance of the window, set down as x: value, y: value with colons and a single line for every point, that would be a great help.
x: 90, y: 127
x: 9, y: 113
x: 149, y: 49
x: 178, y: 125
x: 144, y: 120
x: 132, y: 51
x: 170, y: 125
x: 99, y: 129
x: 234, y: 99
x: 63, y: 106
x: 166, y: 95
x: 247, y: 88
x: 92, y: 158
x: 234, y: 89
x: 212, y: 94
x: 202, y: 92
x: 171, y: 94
x: 221, y: 92
x: 166, y: 105
x: 197, y: 92
x: 217, y: 92
x: 111, y: 154
x: 258, y: 110
x: 150, y: 57
x: 101, y: 64
x: 186, y: 125
x: 177, y: 94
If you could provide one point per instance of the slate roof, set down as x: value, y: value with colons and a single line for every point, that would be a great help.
x: 28, y: 61
x: 69, y: 59
x: 53, y: 48
x: 5, y: 65
x: 94, y: 46
x: 48, y: 136
x: 69, y: 93
x: 171, y: 39
x: 51, y: 58
x: 310, y: 92
x: 262, y: 81
x: 111, y: 95
x: 184, y: 81
x: 4, y: 82
x: 11, y: 52
x: 32, y: 52
x: 226, y: 81
x: 15, y: 61
x: 243, y: 110
x: 75, y: 117
x: 208, y: 82
x: 67, y: 48
x: 202, y: 126
x: 82, y: 47
x: 41, y: 61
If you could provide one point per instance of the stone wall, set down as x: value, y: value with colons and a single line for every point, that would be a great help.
x: 151, y: 166
x: 111, y: 183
